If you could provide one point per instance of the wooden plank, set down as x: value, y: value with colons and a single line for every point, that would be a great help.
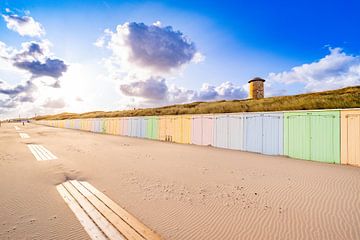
x: 142, y: 229
x: 24, y: 135
x: 47, y: 155
x: 41, y: 154
x: 50, y: 153
x: 47, y: 152
x: 107, y: 228
x: 90, y: 227
x: 32, y: 150
x: 123, y: 227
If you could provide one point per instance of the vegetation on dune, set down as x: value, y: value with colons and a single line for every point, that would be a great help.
x: 342, y: 98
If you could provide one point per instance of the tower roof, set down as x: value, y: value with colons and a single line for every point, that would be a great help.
x: 257, y: 79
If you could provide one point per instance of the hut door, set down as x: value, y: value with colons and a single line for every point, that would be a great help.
x: 353, y: 139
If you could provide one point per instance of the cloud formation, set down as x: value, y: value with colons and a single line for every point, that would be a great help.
x: 137, y: 46
x: 160, y: 48
x: 33, y: 50
x: 32, y: 61
x: 154, y: 88
x: 156, y: 91
x: 35, y: 58
x: 51, y: 67
x: 143, y: 56
x: 335, y: 70
x: 225, y: 91
x: 23, y: 25
x: 54, y: 103
x: 7, y: 104
x: 17, y: 94
x: 27, y: 87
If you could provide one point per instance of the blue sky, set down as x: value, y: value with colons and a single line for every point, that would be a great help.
x: 88, y: 62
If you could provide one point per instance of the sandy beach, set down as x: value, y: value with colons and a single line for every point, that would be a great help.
x: 179, y: 191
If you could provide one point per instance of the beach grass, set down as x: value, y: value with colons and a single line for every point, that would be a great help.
x: 336, y: 99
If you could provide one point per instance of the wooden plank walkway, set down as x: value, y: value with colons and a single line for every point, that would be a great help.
x: 24, y: 135
x: 40, y: 152
x: 105, y: 215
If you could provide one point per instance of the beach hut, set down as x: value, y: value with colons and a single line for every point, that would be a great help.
x: 129, y: 126
x: 77, y: 123
x: 132, y: 126
x: 162, y: 128
x: 89, y: 123
x: 235, y: 131
x: 202, y: 127
x: 93, y: 124
x: 135, y: 126
x: 177, y: 129
x: 120, y: 130
x: 110, y: 126
x: 152, y: 127
x: 170, y: 128
x: 221, y: 131
x: 312, y: 135
x: 96, y: 123
x: 208, y: 130
x: 116, y: 126
x: 143, y: 126
x: 186, y: 129
x: 196, y: 131
x: 81, y: 123
x: 67, y: 123
x: 72, y: 123
x: 182, y: 128
x: 104, y: 123
x: 229, y: 131
x: 149, y: 127
x: 125, y: 127
x: 263, y: 133
x: 62, y: 123
x: 350, y: 137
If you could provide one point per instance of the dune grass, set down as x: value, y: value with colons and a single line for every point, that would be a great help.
x: 342, y: 98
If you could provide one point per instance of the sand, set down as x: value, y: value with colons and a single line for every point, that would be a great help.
x: 180, y: 191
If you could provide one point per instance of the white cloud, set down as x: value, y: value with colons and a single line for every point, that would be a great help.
x: 198, y: 57
x: 157, y: 23
x: 54, y: 103
x: 224, y: 91
x: 5, y: 51
x: 14, y: 95
x: 335, y: 70
x: 32, y: 71
x: 180, y: 95
x: 79, y: 99
x: 14, y: 91
x: 34, y: 58
x: 138, y: 48
x: 24, y: 25
x: 156, y: 92
x: 143, y: 56
x: 154, y: 88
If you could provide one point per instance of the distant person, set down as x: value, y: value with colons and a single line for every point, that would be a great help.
x: 23, y: 123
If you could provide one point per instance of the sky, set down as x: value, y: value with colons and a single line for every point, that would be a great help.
x: 80, y: 56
